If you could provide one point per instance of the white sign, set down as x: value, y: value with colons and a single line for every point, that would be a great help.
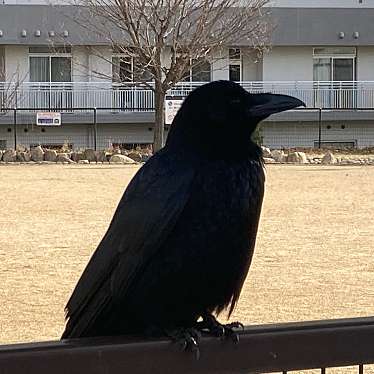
x: 172, y: 105
x: 48, y: 119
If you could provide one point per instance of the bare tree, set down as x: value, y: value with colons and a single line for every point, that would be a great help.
x: 166, y: 38
x: 9, y: 86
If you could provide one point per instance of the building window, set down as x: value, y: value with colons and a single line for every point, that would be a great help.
x: 235, y: 64
x: 334, y: 64
x: 122, y: 68
x: 126, y: 68
x: 200, y: 71
x: 50, y: 65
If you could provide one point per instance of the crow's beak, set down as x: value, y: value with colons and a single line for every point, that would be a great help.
x: 263, y: 105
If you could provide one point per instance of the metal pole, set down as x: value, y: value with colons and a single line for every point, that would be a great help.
x: 319, y: 127
x: 15, y: 128
x: 95, y: 129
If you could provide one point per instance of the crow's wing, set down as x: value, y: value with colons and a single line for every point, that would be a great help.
x: 144, y: 217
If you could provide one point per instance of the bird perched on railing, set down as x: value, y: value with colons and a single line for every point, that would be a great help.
x: 181, y: 241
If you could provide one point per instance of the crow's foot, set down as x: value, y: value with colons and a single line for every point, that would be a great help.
x: 212, y: 326
x: 187, y: 338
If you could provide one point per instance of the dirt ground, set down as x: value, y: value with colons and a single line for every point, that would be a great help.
x: 314, y: 255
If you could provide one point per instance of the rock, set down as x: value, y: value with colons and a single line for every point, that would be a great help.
x: 349, y: 161
x: 50, y: 155
x: 63, y: 157
x: 83, y: 162
x: 328, y: 159
x: 265, y: 152
x: 117, y: 151
x: 278, y: 155
x: 90, y: 155
x: 21, y: 148
x: 77, y: 156
x: 10, y: 155
x: 269, y: 160
x: 297, y: 158
x: 37, y: 153
x: 146, y: 157
x: 23, y: 156
x: 101, y: 156
x: 135, y: 156
x: 121, y: 159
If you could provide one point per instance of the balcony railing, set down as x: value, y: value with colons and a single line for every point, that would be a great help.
x: 132, y: 97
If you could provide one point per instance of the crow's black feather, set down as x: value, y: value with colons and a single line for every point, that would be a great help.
x: 182, y: 238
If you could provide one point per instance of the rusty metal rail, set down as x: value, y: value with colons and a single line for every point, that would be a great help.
x: 262, y: 349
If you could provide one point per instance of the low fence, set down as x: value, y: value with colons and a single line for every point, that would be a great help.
x: 102, y: 128
x: 261, y: 349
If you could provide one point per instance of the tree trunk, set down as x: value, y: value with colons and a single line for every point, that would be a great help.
x: 158, y: 139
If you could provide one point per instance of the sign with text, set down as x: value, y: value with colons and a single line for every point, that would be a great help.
x: 48, y: 119
x: 172, y: 105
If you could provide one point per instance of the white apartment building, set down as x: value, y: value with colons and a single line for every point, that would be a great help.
x: 322, y: 53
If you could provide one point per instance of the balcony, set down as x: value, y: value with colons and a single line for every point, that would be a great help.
x: 76, y: 96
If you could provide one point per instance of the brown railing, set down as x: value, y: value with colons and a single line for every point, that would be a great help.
x: 262, y: 349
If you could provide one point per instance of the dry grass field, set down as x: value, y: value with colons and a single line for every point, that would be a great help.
x: 314, y: 256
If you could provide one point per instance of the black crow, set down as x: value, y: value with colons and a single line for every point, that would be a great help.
x: 181, y: 241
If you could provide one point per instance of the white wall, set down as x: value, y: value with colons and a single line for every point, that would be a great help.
x: 305, y: 134
x: 288, y: 64
x: 365, y: 63
x: 220, y: 65
x: 17, y: 63
x: 80, y: 64
x: 100, y: 68
x: 2, y: 63
x: 129, y: 133
x: 80, y: 136
x: 251, y: 66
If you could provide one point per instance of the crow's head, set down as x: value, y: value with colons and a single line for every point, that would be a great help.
x: 221, y: 114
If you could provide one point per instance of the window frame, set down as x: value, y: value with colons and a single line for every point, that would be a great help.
x: 132, y: 59
x: 236, y: 62
x: 51, y: 55
x: 331, y: 56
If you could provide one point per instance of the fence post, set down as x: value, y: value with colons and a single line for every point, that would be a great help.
x: 15, y: 128
x: 319, y: 127
x: 95, y: 128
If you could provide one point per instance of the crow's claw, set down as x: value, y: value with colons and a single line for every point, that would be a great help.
x: 235, y: 325
x: 231, y: 334
x: 187, y: 339
x: 212, y: 326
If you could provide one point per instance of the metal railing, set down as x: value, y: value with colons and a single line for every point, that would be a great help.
x: 261, y: 349
x: 335, y: 95
x: 102, y: 128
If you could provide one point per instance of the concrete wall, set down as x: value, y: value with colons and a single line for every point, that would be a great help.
x: 365, y: 63
x: 305, y: 134
x: 80, y: 136
x: 130, y: 134
x: 220, y: 65
x: 17, y: 63
x: 80, y: 64
x: 100, y: 67
x: 288, y: 64
x: 2, y: 64
x: 251, y: 66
